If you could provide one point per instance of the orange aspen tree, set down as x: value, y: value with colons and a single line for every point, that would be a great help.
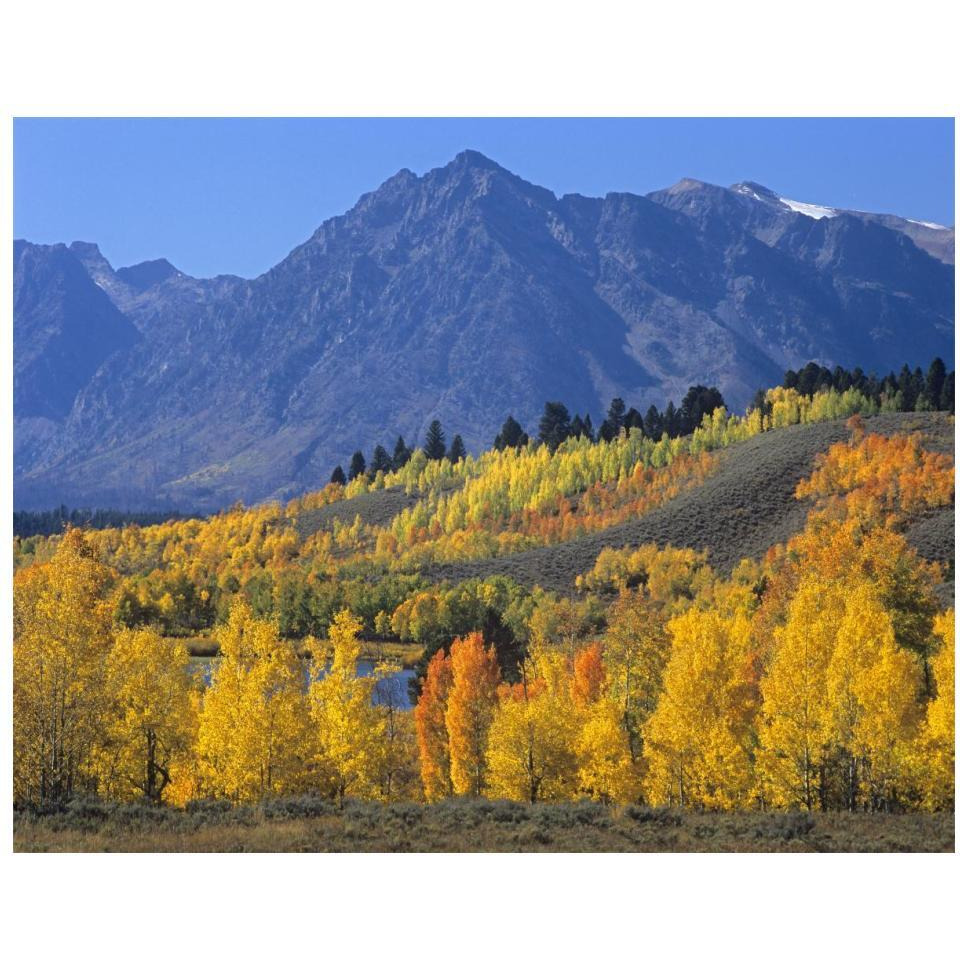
x: 470, y: 710
x: 433, y: 741
x: 589, y: 677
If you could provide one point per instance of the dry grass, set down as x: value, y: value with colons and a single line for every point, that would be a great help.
x: 741, y: 510
x: 304, y: 824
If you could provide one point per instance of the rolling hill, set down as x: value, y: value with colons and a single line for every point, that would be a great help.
x: 742, y: 509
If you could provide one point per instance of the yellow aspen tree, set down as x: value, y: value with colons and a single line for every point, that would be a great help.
x: 397, y: 773
x: 470, y: 709
x: 348, y: 731
x: 873, y: 688
x: 252, y: 737
x: 940, y: 727
x: 556, y: 621
x: 147, y: 730
x: 793, y: 729
x: 605, y: 769
x: 186, y: 778
x: 636, y: 648
x: 61, y: 639
x: 531, y: 750
x: 886, y: 734
x: 697, y: 743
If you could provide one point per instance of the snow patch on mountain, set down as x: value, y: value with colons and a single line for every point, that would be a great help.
x: 931, y: 226
x: 809, y: 209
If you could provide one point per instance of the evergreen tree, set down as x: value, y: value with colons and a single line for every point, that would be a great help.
x: 435, y: 445
x: 457, y: 449
x: 653, y: 423
x: 338, y: 476
x: 933, y: 386
x: 811, y: 378
x: 576, y: 426
x: 588, y: 428
x: 946, y: 395
x: 610, y: 428
x: 701, y: 400
x: 358, y: 465
x: 672, y: 421
x: 554, y: 424
x: 401, y: 453
x: 633, y: 420
x: 842, y: 380
x: 511, y: 435
x: 508, y: 649
x: 380, y: 462
x: 907, y: 387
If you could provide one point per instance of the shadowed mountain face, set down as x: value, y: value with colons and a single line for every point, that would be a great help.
x: 466, y: 294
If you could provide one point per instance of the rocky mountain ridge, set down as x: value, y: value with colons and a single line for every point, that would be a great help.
x: 465, y: 294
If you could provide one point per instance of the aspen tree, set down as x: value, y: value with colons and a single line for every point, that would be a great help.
x: 941, y: 723
x: 794, y: 726
x: 252, y: 732
x: 433, y: 740
x: 61, y: 640
x: 697, y: 743
x: 148, y: 727
x: 470, y: 711
x: 349, y: 732
x: 531, y: 751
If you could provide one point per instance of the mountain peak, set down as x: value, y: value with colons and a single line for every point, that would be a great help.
x: 474, y: 160
x: 89, y: 255
x: 750, y: 188
x: 142, y: 276
x: 685, y: 185
x: 85, y: 248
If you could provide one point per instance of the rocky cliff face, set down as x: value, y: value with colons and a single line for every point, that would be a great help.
x: 465, y: 294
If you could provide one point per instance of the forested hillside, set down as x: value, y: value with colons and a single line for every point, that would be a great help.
x: 754, y: 613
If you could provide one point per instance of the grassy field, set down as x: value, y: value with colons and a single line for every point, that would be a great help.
x: 304, y: 824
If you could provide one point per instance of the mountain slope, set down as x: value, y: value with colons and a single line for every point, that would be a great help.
x: 464, y: 294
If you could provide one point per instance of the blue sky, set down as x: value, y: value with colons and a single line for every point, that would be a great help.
x: 235, y: 196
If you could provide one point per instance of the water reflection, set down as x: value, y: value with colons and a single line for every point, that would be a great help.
x: 389, y: 691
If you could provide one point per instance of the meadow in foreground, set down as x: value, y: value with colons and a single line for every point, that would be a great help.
x: 307, y: 824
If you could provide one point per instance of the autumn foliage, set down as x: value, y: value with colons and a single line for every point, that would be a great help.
x: 821, y: 678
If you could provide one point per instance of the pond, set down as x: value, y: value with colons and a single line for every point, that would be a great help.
x: 393, y: 690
